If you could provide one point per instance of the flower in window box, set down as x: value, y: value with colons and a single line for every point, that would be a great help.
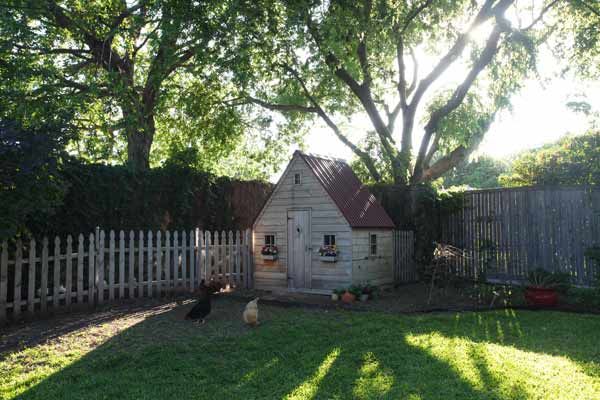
x: 269, y: 252
x: 328, y: 251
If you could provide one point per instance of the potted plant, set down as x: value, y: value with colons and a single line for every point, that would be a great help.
x: 543, y: 287
x: 368, y: 290
x: 336, y: 294
x: 348, y: 297
x: 269, y: 252
x: 363, y: 296
x: 328, y: 253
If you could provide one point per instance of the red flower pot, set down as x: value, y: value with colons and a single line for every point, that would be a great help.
x: 348, y: 297
x: 539, y: 296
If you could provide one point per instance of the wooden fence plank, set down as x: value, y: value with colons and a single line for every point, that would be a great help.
x: 200, y: 256
x: 150, y: 260
x: 175, y: 260
x: 159, y: 268
x: 167, y: 261
x: 3, y: 280
x: 56, y: 273
x: 140, y: 274
x: 100, y: 272
x: 91, y: 270
x: 191, y: 249
x: 184, y: 260
x: 207, y: 260
x: 31, y: 278
x: 80, y: 256
x: 18, y: 277
x: 121, y: 264
x: 131, y: 269
x: 69, y: 272
x: 44, y: 276
x: 111, y: 266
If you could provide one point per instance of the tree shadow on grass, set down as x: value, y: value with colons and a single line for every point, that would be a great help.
x: 301, y: 354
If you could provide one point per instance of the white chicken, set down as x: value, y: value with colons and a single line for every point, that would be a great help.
x: 251, y: 313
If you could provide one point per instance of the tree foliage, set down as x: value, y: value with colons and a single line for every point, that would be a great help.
x: 482, y: 172
x: 132, y: 72
x: 572, y: 160
x: 386, y: 59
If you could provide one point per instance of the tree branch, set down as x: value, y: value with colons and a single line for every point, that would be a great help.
x: 486, y: 56
x: 486, y: 12
x: 282, y: 107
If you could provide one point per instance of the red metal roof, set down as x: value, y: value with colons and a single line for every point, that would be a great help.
x: 360, y: 208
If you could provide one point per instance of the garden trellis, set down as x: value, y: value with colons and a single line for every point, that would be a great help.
x: 41, y: 276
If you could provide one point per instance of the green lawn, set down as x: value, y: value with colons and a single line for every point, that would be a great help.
x: 305, y: 354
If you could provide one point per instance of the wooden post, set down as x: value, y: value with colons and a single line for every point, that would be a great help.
x: 91, y: 270
x: 69, y: 274
x: 159, y: 269
x: 31, y: 280
x: 18, y: 279
x: 183, y: 259
x: 192, y: 248
x: 167, y: 261
x: 223, y: 256
x: 248, y: 261
x: 131, y: 286
x: 207, y: 257
x: 175, y: 261
x: 56, y: 272
x: 3, y: 280
x: 149, y: 261
x: 100, y: 268
x: 230, y: 259
x: 80, y: 251
x: 111, y: 266
x: 140, y: 281
x: 200, y: 256
x: 121, y: 264
x: 44, y: 276
x: 236, y: 252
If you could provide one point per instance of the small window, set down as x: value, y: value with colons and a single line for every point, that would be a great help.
x: 269, y: 240
x: 296, y: 179
x: 329, y: 240
x: 373, y: 244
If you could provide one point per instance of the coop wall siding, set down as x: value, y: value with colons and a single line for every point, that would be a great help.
x: 325, y: 219
x: 377, y: 270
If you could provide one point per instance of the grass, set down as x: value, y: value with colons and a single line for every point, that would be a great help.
x: 305, y: 354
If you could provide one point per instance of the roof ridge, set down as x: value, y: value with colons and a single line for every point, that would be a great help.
x: 322, y: 157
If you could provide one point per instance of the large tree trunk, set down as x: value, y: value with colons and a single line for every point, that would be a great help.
x: 140, y: 130
x: 138, y: 149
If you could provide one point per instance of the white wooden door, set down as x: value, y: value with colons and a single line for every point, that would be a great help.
x: 298, y: 249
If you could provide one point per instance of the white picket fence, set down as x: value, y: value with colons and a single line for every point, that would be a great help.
x: 106, y: 267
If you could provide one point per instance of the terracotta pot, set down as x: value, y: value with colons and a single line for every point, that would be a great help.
x: 348, y: 297
x: 540, y: 296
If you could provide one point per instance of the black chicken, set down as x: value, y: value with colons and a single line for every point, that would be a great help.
x: 202, y: 307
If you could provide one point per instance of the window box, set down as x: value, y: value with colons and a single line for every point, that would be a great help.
x: 329, y: 259
x: 269, y: 257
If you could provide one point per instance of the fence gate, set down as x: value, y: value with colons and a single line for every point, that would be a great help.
x: 405, y: 267
x: 40, y: 276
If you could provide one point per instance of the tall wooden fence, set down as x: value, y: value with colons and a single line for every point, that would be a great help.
x: 506, y: 233
x: 405, y: 267
x: 36, y: 277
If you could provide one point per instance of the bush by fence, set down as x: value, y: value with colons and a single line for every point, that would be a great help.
x: 113, y: 197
